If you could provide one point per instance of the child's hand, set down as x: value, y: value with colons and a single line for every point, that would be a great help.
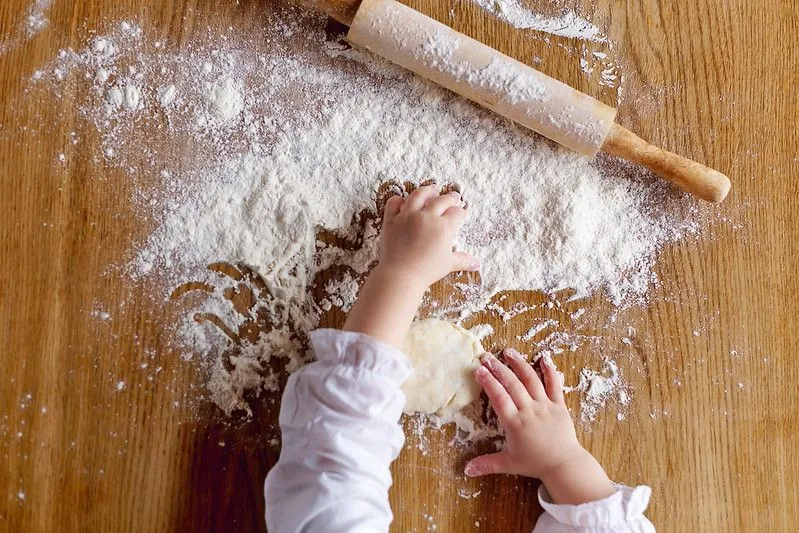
x: 417, y: 236
x: 416, y: 252
x: 539, y: 430
x: 540, y: 437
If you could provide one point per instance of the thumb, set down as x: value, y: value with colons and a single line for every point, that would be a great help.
x: 492, y: 463
x: 463, y: 261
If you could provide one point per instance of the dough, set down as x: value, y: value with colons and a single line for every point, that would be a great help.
x: 444, y: 357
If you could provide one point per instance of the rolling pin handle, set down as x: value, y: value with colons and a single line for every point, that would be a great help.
x: 690, y: 176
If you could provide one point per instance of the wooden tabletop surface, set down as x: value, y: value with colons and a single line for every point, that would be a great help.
x: 713, y: 423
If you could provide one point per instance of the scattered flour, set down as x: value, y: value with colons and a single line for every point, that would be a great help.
x: 341, y: 293
x: 224, y: 100
x: 481, y: 331
x: 167, y: 95
x: 467, y: 494
x: 283, y: 144
x: 34, y: 21
x: 498, y: 77
x: 519, y: 15
x: 133, y: 98
x: 101, y: 314
x: 538, y: 328
x: 36, y: 17
x: 599, y: 388
x: 568, y: 24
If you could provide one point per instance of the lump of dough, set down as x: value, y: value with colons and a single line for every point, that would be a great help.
x: 444, y: 357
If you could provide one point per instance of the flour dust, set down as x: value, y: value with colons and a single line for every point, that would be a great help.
x: 595, y: 50
x: 263, y: 166
x: 33, y: 21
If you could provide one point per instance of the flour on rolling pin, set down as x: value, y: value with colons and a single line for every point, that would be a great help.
x: 482, y: 74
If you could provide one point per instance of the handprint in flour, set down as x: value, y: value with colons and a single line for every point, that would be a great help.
x: 247, y: 324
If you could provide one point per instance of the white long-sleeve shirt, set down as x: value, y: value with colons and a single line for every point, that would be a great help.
x: 339, y: 420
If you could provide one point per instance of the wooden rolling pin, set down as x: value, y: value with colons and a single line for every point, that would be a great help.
x: 511, y: 88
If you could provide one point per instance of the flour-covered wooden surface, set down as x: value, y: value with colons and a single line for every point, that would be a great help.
x: 100, y: 426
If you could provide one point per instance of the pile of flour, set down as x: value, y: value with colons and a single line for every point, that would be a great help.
x: 248, y: 152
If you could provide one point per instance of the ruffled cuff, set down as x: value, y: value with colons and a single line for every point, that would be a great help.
x: 623, y: 506
x: 361, y: 351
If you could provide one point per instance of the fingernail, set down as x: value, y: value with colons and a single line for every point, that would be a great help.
x: 475, y: 266
x: 489, y: 360
x: 510, y: 352
x: 456, y: 194
x: 470, y: 470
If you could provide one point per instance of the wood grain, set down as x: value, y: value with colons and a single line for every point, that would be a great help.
x: 713, y: 425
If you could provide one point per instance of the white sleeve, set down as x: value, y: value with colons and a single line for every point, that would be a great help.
x: 621, y: 512
x: 339, y: 422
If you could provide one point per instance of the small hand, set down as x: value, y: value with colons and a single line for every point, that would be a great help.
x: 540, y: 438
x: 416, y: 251
x: 417, y: 236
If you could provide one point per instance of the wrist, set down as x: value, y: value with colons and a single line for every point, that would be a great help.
x: 577, y: 479
x: 400, y: 277
x: 573, y: 456
x: 386, y: 305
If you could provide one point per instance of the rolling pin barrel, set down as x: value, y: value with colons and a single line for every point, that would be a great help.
x: 512, y: 89
x: 482, y: 74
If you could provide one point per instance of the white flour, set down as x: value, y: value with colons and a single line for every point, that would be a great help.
x: 601, y: 387
x: 341, y: 293
x: 519, y: 15
x: 224, y: 100
x: 36, y: 17
x: 33, y: 22
x: 595, y: 50
x: 281, y: 141
x: 481, y: 331
x: 498, y: 77
x: 537, y: 328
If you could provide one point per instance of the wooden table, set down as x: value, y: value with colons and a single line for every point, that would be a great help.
x: 713, y: 423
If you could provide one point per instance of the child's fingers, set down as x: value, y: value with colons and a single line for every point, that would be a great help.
x: 393, y: 206
x: 497, y: 395
x: 461, y: 261
x: 492, y: 463
x: 419, y: 198
x: 525, y: 373
x: 455, y: 215
x: 508, y: 379
x: 440, y: 205
x: 553, y: 380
